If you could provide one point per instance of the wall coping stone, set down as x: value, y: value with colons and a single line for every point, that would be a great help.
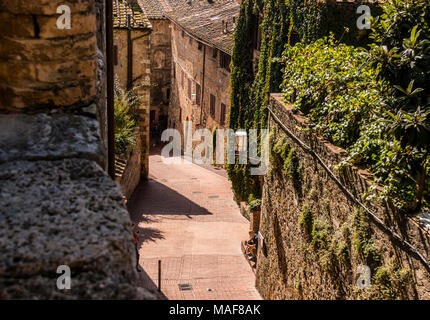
x: 64, y: 212
x: 49, y: 137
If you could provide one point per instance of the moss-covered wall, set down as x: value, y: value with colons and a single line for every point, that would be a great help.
x: 315, y: 237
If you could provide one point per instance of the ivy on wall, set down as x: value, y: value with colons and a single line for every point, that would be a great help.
x: 283, y: 22
x: 242, y: 75
x: 313, y: 20
x: 398, y: 53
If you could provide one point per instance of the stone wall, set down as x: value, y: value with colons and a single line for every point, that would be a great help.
x: 188, y: 63
x: 129, y: 177
x: 161, y: 70
x: 141, y: 73
x: 57, y: 204
x: 315, y: 237
x: 43, y: 67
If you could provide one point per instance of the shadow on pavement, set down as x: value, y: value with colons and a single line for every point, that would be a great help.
x: 154, y: 198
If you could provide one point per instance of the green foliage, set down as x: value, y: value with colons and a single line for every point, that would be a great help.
x: 321, y: 235
x: 291, y: 166
x: 401, y: 54
x: 306, y: 221
x: 313, y: 20
x: 280, y: 148
x: 362, y: 239
x: 241, y: 77
x: 332, y: 88
x: 249, y: 95
x: 254, y: 204
x: 125, y: 120
x: 343, y: 253
x: 347, y: 101
x: 390, y: 282
x: 374, y: 103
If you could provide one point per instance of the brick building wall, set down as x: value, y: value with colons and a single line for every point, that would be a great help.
x: 189, y: 76
x: 161, y: 64
x: 141, y: 65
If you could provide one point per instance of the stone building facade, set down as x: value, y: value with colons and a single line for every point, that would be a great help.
x: 132, y: 66
x: 201, y: 54
x: 57, y: 204
x: 161, y: 62
x: 316, y: 241
x: 194, y: 39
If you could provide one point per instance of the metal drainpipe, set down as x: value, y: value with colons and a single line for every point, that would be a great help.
x: 202, y: 99
x: 110, y: 89
x: 129, y: 56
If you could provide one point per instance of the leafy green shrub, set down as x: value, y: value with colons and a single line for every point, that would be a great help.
x: 332, y: 88
x: 401, y: 54
x: 125, y: 120
x: 253, y: 203
x: 347, y: 101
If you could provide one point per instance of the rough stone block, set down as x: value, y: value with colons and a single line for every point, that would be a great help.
x: 53, y: 72
x: 17, y: 72
x: 45, y: 7
x: 81, y: 23
x: 65, y: 49
x: 48, y: 137
x: 47, y: 95
x: 65, y: 212
x: 17, y: 25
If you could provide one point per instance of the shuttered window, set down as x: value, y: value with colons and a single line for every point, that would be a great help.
x: 212, y: 105
x: 222, y: 114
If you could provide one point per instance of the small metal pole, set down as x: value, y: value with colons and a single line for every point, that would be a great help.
x: 159, y: 275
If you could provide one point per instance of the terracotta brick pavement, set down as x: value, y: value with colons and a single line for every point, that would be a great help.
x: 187, y: 219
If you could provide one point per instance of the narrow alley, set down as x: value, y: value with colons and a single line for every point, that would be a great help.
x: 187, y: 218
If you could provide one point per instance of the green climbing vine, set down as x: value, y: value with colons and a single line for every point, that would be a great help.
x: 283, y: 22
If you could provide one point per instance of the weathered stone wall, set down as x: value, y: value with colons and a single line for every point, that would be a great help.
x: 161, y: 69
x: 130, y: 177
x: 188, y: 63
x: 43, y: 67
x: 315, y: 237
x: 141, y: 66
x: 57, y: 204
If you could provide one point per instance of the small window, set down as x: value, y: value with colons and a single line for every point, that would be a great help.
x: 200, y: 46
x: 224, y: 61
x: 189, y: 89
x: 198, y: 89
x: 212, y: 105
x: 168, y: 94
x: 191, y: 40
x: 214, y: 53
x: 183, y: 33
x: 222, y: 114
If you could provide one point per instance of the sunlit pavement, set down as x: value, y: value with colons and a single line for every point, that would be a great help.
x: 187, y: 219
